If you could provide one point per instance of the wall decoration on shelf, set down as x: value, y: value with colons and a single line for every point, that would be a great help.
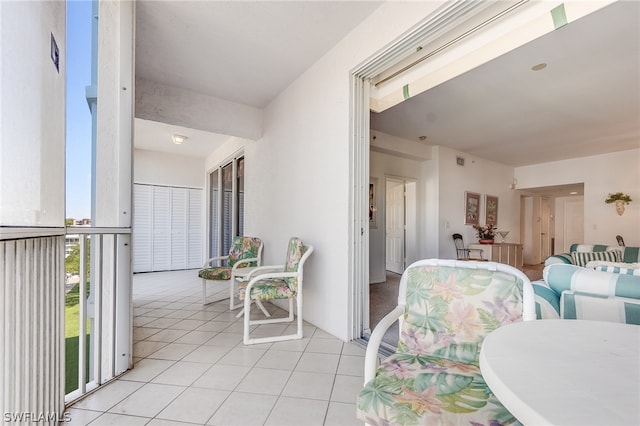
x: 620, y: 199
x: 471, y: 208
x: 373, y: 204
x: 491, y: 210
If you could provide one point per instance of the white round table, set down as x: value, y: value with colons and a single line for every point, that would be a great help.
x: 565, y: 372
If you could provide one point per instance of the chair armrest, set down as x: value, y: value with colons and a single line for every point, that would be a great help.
x: 264, y: 269
x: 244, y: 261
x: 207, y: 263
x: 371, y: 354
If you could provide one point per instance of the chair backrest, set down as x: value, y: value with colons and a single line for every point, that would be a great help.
x: 457, y: 241
x: 244, y: 248
x: 450, y: 306
x: 620, y: 240
x: 297, y: 253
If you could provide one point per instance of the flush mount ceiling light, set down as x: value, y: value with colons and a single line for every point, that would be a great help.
x: 178, y: 139
x: 573, y: 193
x: 539, y: 67
x: 423, y: 138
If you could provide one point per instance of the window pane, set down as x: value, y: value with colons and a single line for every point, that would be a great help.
x: 240, y: 186
x: 214, y: 234
x: 227, y: 207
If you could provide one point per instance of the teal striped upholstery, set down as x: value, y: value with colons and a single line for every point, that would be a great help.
x: 615, y: 267
x: 581, y: 258
x: 567, y: 290
x: 629, y: 254
x: 576, y: 305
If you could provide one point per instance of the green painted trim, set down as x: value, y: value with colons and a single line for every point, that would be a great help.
x: 559, y: 16
x: 405, y: 92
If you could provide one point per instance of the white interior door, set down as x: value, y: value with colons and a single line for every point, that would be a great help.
x: 545, y: 219
x: 395, y: 221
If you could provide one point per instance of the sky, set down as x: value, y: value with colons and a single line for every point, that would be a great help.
x: 78, y: 203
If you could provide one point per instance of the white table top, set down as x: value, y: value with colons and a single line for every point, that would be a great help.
x: 565, y: 372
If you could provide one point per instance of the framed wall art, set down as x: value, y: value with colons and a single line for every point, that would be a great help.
x: 491, y: 210
x: 471, y: 208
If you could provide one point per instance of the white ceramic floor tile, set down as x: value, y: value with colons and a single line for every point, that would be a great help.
x: 325, y: 346
x: 167, y: 335
x: 155, y: 305
x: 321, y: 334
x: 297, y: 411
x: 341, y: 414
x: 202, y: 315
x: 145, y: 348
x: 318, y: 363
x: 242, y: 356
x: 309, y: 385
x: 174, y: 351
x: 196, y: 337
x: 177, y: 305
x: 213, y: 325
x: 187, y: 324
x: 119, y: 420
x: 223, y: 377
x: 298, y: 345
x: 148, y: 401
x: 207, y: 354
x: 225, y: 339
x: 351, y: 365
x: 346, y: 389
x: 164, y: 422
x: 158, y: 313
x: 179, y: 314
x: 265, y: 381
x: 353, y: 349
x: 182, y: 373
x: 307, y: 330
x: 142, y: 321
x: 141, y: 333
x: 146, y: 369
x: 77, y: 417
x: 108, y: 395
x: 242, y: 409
x: 268, y: 330
x: 194, y: 405
x: 282, y: 360
x: 162, y: 322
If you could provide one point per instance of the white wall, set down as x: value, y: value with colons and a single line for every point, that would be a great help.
x: 480, y: 176
x: 381, y: 166
x: 601, y: 174
x: 32, y: 113
x: 300, y: 175
x: 158, y: 168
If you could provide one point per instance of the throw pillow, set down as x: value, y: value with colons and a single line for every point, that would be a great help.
x: 615, y: 267
x: 582, y: 258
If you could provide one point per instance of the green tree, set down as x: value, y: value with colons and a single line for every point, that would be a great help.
x: 72, y: 262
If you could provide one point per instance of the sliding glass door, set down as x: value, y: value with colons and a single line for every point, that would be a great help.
x: 226, y: 205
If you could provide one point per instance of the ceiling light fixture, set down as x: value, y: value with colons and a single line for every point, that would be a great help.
x: 539, y: 67
x: 573, y: 193
x: 422, y: 138
x: 178, y: 139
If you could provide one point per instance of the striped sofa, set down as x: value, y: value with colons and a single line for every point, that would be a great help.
x: 583, y: 253
x: 608, y: 292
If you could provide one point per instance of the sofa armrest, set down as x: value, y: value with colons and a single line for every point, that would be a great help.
x: 547, y: 301
x: 559, y: 258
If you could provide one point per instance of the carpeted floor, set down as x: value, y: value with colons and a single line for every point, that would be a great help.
x: 383, y: 297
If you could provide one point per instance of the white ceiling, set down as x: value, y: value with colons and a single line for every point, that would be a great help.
x: 241, y: 51
x: 587, y: 101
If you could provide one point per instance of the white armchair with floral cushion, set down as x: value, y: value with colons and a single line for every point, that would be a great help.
x: 276, y: 282
x: 445, y: 309
x: 244, y: 252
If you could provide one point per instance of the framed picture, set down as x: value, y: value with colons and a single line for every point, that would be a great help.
x: 373, y: 206
x: 471, y: 208
x: 491, y: 209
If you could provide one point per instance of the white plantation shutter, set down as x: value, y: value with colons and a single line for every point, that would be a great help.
x: 167, y: 232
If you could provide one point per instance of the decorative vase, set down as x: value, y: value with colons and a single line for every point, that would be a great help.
x: 485, y: 240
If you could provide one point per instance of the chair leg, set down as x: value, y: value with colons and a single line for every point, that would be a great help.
x: 231, y: 293
x: 204, y: 292
x: 264, y: 311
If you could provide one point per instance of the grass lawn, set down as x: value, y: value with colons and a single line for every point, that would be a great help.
x: 71, y: 331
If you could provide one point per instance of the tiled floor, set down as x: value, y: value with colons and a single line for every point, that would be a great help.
x: 192, y: 368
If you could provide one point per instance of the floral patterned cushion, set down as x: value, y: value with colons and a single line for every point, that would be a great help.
x: 295, y: 251
x: 434, y: 377
x: 243, y: 248
x: 218, y: 273
x: 267, y: 289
